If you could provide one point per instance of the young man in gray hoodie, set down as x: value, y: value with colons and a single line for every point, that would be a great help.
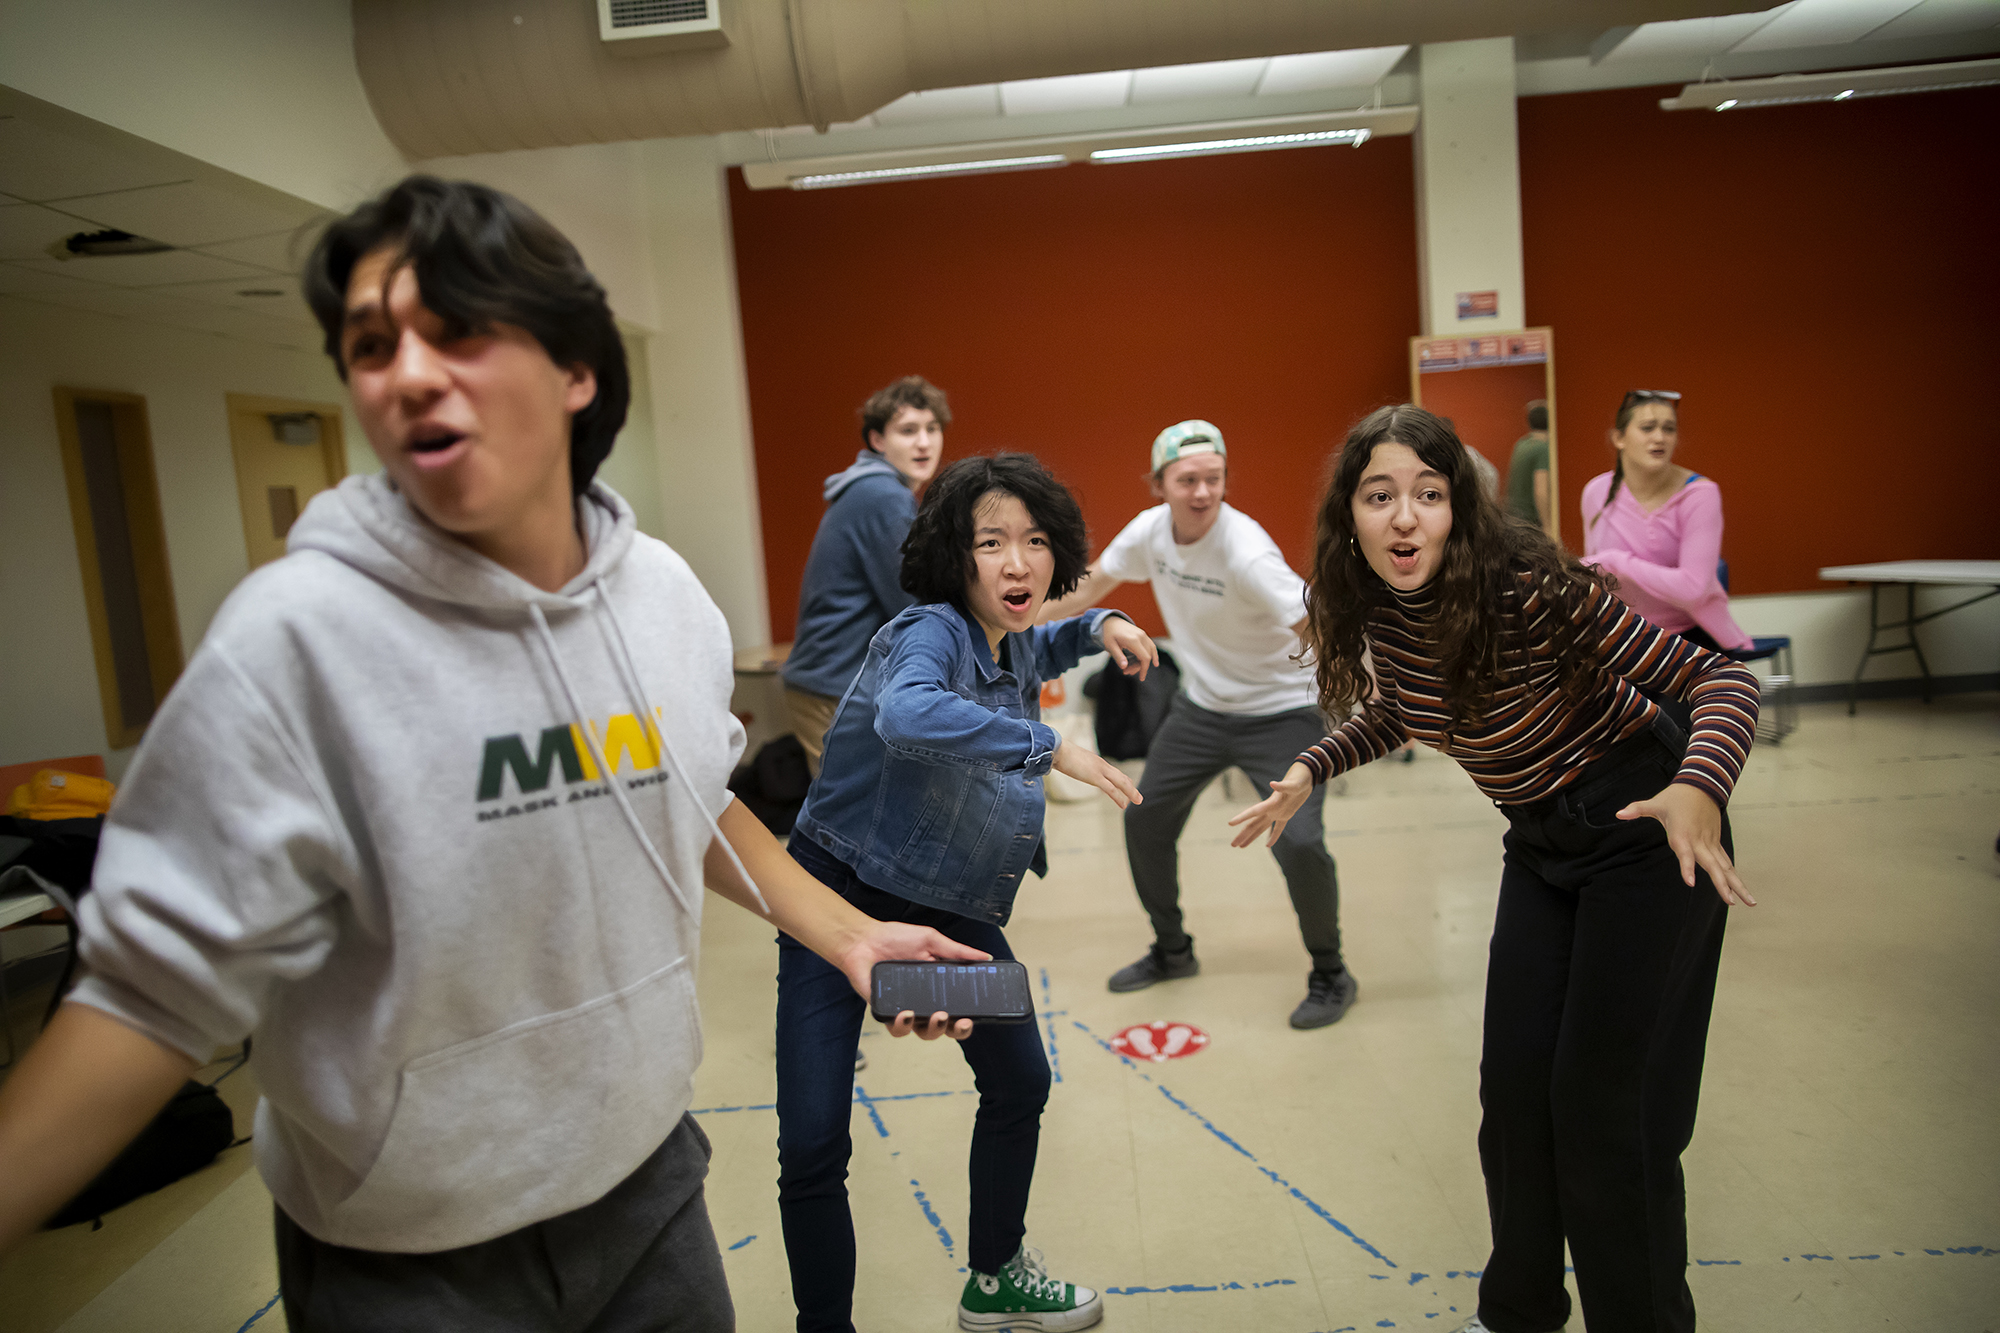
x: 850, y: 588
x: 429, y: 813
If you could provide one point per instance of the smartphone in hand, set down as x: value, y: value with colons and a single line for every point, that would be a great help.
x: 990, y: 992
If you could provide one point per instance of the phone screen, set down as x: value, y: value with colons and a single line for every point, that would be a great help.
x: 995, y: 992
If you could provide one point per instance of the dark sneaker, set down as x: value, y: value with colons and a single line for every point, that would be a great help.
x: 1023, y: 1295
x: 1157, y: 965
x: 1328, y: 994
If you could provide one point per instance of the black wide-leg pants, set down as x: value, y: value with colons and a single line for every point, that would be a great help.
x: 1598, y: 991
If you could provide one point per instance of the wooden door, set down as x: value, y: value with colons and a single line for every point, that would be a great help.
x: 286, y: 453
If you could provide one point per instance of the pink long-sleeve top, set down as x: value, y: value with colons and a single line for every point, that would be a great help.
x: 1664, y: 560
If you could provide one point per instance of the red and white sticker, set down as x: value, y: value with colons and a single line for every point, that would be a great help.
x: 1159, y: 1041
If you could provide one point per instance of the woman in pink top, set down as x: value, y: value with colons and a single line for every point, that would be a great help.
x: 1656, y: 527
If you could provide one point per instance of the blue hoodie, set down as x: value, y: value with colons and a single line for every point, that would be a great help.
x: 852, y: 585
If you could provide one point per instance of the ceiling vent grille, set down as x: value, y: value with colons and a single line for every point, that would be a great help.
x: 654, y: 27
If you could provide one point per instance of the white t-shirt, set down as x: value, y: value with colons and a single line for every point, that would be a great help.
x: 1230, y: 602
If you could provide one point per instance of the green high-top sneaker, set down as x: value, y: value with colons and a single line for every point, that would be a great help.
x: 1023, y: 1295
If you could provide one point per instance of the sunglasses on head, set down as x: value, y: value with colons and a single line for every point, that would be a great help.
x: 1652, y: 395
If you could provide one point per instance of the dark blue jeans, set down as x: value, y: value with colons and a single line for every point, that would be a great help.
x: 819, y: 1020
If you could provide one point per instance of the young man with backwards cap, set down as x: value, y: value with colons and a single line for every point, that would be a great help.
x: 1233, y: 609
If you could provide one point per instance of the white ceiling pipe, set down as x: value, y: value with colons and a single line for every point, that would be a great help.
x: 469, y: 76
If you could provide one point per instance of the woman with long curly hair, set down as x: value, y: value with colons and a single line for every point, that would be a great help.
x: 1612, y: 747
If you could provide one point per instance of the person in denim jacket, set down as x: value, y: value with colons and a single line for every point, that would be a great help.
x: 928, y: 809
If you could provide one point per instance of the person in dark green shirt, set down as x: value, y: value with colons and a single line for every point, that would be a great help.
x: 1528, y: 470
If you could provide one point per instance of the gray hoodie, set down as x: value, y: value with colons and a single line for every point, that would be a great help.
x: 369, y: 825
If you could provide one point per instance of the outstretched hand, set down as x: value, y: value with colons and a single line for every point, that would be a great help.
x: 1276, y: 810
x: 1131, y: 648
x: 1089, y: 766
x: 1693, y: 822
x: 896, y: 941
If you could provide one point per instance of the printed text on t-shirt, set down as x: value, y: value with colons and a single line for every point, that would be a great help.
x: 1189, y: 582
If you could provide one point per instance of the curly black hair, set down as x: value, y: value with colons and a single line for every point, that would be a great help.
x: 937, y: 555
x: 483, y: 258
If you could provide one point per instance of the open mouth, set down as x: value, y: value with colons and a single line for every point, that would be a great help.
x: 433, y: 439
x: 1018, y: 600
x: 1403, y: 556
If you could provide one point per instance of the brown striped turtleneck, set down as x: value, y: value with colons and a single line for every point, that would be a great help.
x: 1531, y: 740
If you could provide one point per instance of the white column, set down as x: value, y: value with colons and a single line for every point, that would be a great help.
x: 1468, y: 185
x: 700, y: 393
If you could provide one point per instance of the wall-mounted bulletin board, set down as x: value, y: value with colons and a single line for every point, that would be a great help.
x: 1483, y: 386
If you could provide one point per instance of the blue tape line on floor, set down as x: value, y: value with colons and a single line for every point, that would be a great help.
x: 1049, y: 1018
x: 261, y: 1313
x: 1182, y: 1288
x: 1278, y: 1180
x: 881, y: 1129
x: 931, y: 1216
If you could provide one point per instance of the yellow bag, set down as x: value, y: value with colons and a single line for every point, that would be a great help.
x: 54, y: 794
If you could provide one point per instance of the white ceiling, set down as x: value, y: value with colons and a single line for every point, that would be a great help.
x: 1802, y: 35
x: 233, y: 273
x: 1806, y: 24
x: 1267, y: 77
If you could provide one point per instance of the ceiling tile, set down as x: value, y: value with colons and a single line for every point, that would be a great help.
x: 1066, y: 92
x: 39, y: 164
x: 190, y: 213
x: 1687, y: 39
x: 147, y: 270
x: 1941, y: 18
x: 282, y: 251
x: 28, y: 230
x: 1212, y: 78
x: 245, y: 293
x: 1363, y: 67
x: 975, y: 100
x: 1824, y: 23
x: 29, y: 280
x: 130, y: 302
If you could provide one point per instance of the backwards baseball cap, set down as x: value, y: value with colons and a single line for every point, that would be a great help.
x: 1185, y: 439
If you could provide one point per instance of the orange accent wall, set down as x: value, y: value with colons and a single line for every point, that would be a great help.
x: 1075, y: 313
x: 1820, y: 281
x: 1488, y: 406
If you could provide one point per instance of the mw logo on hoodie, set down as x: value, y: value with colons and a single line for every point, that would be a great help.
x: 623, y: 737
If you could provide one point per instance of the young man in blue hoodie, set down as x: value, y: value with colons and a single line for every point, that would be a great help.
x: 850, y: 588
x: 428, y: 812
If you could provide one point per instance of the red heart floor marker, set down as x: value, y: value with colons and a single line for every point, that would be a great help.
x: 1159, y: 1041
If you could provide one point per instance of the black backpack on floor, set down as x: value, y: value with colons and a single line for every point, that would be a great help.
x: 1129, y: 711
x: 185, y: 1137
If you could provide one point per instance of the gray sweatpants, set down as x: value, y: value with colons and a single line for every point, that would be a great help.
x: 642, y: 1258
x: 1191, y: 747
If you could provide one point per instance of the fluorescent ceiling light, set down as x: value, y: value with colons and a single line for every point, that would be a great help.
x: 828, y: 180
x: 1254, y: 134
x: 1257, y: 143
x: 1839, y: 86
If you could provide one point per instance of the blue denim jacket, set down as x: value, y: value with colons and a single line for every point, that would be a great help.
x: 931, y: 785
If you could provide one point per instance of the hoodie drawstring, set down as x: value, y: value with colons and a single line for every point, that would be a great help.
x: 610, y: 778
x: 667, y: 747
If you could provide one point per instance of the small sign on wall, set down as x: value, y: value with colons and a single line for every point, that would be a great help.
x: 1479, y: 305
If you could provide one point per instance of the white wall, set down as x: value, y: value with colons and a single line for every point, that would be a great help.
x: 266, y: 90
x: 701, y: 391
x: 49, y: 700
x: 1468, y: 185
x: 1829, y: 630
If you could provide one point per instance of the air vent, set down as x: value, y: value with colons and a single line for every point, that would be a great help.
x: 89, y: 244
x: 656, y: 27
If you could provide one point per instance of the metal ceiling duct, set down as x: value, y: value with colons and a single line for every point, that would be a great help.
x: 471, y: 76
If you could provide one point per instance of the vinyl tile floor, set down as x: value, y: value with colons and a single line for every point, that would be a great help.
x: 1844, y: 1175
